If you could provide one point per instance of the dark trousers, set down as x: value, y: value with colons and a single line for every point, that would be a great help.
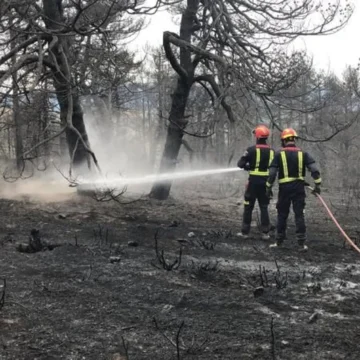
x: 291, y: 193
x: 255, y: 191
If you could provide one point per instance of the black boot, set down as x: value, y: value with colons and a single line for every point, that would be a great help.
x: 279, y: 240
x: 301, y: 239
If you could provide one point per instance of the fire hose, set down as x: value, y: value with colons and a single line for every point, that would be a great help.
x: 181, y: 175
x: 347, y: 238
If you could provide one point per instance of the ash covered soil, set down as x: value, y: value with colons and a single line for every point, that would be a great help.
x: 100, y: 297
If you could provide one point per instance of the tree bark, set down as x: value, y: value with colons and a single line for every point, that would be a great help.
x: 177, y: 122
x: 77, y: 151
x: 18, y: 128
x: 19, y: 148
x: 220, y: 138
x: 44, y: 121
x: 174, y: 137
x: 64, y: 89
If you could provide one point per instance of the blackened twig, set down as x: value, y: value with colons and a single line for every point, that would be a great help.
x: 161, y: 258
x: 177, y: 340
x: 125, y: 345
x: 273, y: 347
x: 2, y: 299
x: 176, y: 344
x: 281, y: 280
x: 261, y: 276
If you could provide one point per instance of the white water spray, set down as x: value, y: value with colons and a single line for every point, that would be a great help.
x: 148, y: 179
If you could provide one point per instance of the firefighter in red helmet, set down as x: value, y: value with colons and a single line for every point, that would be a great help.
x: 290, y: 164
x: 256, y: 160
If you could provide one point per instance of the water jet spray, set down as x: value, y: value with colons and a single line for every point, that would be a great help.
x: 150, y: 179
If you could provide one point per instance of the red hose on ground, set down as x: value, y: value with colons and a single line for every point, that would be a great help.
x: 347, y: 238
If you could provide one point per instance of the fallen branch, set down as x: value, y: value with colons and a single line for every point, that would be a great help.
x: 207, y: 245
x: 108, y: 194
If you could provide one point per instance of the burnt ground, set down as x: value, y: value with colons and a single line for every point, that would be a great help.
x: 74, y: 303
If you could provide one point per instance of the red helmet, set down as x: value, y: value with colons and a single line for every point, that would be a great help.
x: 288, y: 133
x: 261, y: 132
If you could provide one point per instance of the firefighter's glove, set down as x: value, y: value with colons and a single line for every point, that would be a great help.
x: 247, y: 167
x: 269, y: 192
x: 317, y: 189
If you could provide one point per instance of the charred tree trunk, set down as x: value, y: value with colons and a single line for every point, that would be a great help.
x: 19, y: 148
x: 77, y: 151
x: 177, y: 122
x: 44, y: 121
x: 190, y: 151
x: 205, y: 141
x: 174, y: 137
x: 160, y: 128
x: 64, y: 87
x: 18, y: 128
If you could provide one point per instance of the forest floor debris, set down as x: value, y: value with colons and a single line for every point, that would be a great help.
x: 96, y: 297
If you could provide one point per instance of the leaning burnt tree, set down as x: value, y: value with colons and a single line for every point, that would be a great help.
x: 68, y: 97
x: 43, y: 35
x: 246, y: 40
x: 52, y: 40
x: 93, y: 26
x: 185, y: 66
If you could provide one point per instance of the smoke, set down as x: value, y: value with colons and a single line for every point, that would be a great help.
x: 128, y: 155
x: 41, y: 189
x: 122, y: 146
